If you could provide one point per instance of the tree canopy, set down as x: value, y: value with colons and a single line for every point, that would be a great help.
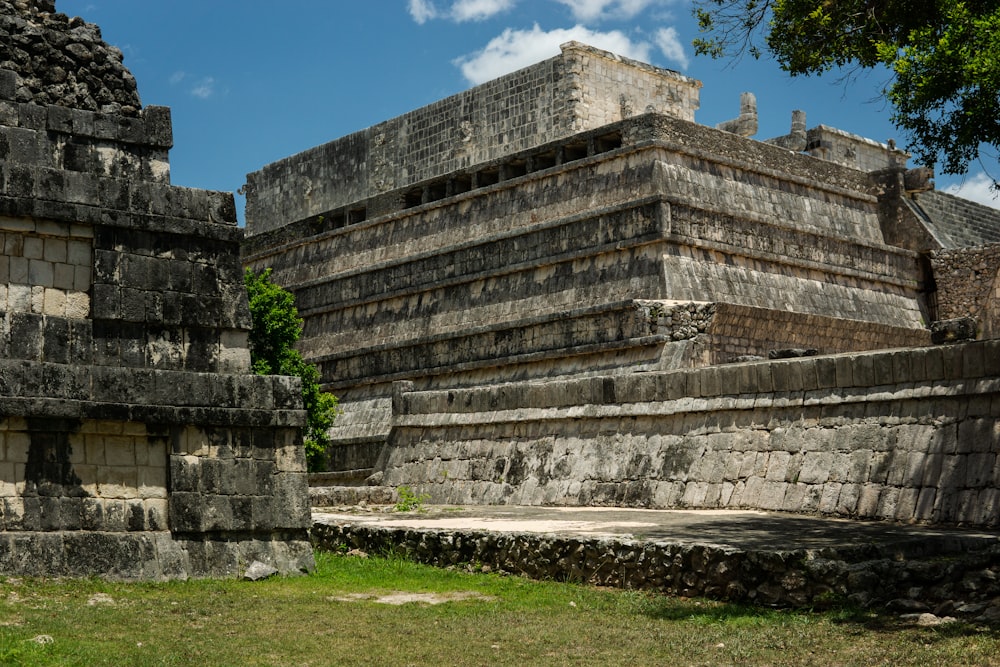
x: 944, y: 57
x: 276, y: 328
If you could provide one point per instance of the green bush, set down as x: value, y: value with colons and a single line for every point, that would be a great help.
x: 276, y: 329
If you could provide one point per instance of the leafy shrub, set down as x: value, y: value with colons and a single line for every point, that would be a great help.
x: 276, y: 329
x: 408, y: 500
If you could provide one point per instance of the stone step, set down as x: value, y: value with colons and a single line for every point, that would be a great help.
x: 335, y: 478
x: 340, y: 496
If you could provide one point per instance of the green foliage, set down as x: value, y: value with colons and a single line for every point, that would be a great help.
x: 943, y: 55
x: 276, y: 328
x: 408, y: 500
x: 947, y: 88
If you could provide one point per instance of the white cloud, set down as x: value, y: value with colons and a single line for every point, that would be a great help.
x: 177, y: 77
x: 478, y: 10
x: 514, y: 49
x: 205, y: 88
x: 596, y: 10
x: 422, y: 10
x: 671, y: 46
x: 460, y: 11
x: 977, y: 189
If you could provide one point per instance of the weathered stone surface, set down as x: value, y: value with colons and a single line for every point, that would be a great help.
x: 62, y: 61
x: 954, y: 330
x: 642, y: 242
x: 581, y: 89
x: 908, y: 451
x: 134, y: 441
x: 258, y: 571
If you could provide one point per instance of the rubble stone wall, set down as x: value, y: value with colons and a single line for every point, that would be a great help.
x: 783, y: 577
x: 910, y: 435
x: 968, y: 285
x: 62, y: 60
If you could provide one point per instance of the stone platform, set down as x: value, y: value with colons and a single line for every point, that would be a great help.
x: 762, y: 557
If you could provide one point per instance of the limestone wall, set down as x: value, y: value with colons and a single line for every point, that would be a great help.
x: 604, y: 88
x: 85, y: 143
x: 114, y: 479
x: 518, y: 278
x: 851, y: 150
x: 134, y: 441
x: 581, y: 89
x: 909, y: 435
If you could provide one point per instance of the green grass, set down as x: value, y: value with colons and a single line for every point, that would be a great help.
x: 300, y: 621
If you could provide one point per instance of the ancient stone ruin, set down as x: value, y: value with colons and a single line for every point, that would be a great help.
x: 134, y: 440
x: 555, y: 288
x: 558, y: 288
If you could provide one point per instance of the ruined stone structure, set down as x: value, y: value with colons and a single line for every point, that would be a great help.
x: 553, y: 265
x: 134, y: 440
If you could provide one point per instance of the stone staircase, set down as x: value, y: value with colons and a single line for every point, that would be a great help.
x: 348, y: 488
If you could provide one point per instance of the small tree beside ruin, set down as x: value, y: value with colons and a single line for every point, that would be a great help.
x: 276, y: 329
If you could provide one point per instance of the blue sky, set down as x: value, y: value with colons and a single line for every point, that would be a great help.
x: 253, y: 81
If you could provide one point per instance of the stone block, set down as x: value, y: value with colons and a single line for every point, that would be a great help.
x: 8, y: 84
x: 907, y: 503
x: 56, y: 342
x: 988, y: 512
x: 847, y: 501
x: 977, y: 435
x: 186, y: 512
x: 787, y: 376
x: 764, y: 378
x: 858, y: 466
x: 772, y: 495
x: 26, y: 336
x: 291, y: 498
x: 159, y: 127
x: 135, y: 515
x: 845, y: 371
x: 132, y: 130
x: 92, y: 514
x: 694, y: 494
x: 815, y: 467
x: 897, y: 468
x: 829, y: 501
x: 212, y: 475
x: 868, y: 501
x: 38, y: 554
x: 185, y: 474
x: 887, y: 501
x: 863, y: 371
x: 980, y: 469
x: 752, y: 488
x: 924, y: 509
x: 49, y: 512
x: 777, y: 466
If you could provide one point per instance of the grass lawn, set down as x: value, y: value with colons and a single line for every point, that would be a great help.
x: 330, y: 618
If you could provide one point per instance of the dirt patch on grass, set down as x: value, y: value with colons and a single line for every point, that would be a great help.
x: 399, y: 597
